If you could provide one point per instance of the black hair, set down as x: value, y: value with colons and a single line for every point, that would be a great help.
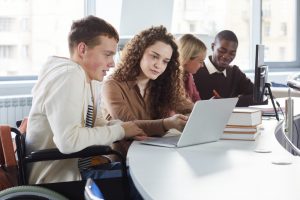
x: 227, y: 35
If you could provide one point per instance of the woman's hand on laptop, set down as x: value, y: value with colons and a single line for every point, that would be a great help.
x: 177, y: 121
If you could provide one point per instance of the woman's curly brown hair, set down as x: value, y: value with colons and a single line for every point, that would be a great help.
x: 166, y: 91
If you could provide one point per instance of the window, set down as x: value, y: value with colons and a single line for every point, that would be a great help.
x: 283, y: 29
x: 7, y: 51
x: 25, y: 24
x: 266, y: 29
x: 276, y: 28
x: 25, y: 52
x: 34, y: 30
x: 192, y: 27
x: 211, y: 16
x: 6, y: 24
x: 281, y: 39
x: 282, y: 53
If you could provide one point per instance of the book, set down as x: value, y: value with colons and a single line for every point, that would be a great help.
x: 268, y: 111
x: 249, y: 129
x: 245, y: 116
x: 239, y: 136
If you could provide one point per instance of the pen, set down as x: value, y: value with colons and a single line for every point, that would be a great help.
x: 216, y: 94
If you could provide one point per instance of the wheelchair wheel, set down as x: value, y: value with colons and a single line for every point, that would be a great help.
x: 30, y: 193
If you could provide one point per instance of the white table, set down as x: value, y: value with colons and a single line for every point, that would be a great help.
x: 219, y: 170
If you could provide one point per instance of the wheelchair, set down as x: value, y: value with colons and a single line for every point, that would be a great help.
x: 112, y: 188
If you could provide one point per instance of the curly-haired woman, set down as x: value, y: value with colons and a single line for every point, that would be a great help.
x: 147, y: 85
x: 192, y: 52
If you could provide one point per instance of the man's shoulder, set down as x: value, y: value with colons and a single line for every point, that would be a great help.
x: 57, y: 71
x: 237, y: 73
x: 70, y: 67
x: 235, y: 68
x: 61, y: 67
x: 202, y: 71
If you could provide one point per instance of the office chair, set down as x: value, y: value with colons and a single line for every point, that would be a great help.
x: 113, y: 188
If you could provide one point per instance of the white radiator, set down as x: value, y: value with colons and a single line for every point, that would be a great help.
x: 14, y: 108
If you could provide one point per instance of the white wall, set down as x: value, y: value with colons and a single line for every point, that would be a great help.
x: 150, y: 13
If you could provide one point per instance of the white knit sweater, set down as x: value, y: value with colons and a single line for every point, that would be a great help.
x: 56, y: 120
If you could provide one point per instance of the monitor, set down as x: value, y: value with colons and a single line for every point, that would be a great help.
x: 260, y: 76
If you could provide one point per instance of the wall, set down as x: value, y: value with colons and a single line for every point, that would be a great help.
x: 131, y: 24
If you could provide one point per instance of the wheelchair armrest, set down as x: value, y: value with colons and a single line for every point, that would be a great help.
x: 55, y: 154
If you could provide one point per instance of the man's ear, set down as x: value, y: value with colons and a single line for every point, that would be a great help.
x: 81, y: 48
x: 212, y: 46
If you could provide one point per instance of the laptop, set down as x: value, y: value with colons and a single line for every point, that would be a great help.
x: 206, y: 123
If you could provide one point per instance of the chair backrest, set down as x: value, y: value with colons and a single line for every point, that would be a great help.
x: 8, y: 163
x: 21, y: 150
x: 14, y: 169
x: 21, y: 154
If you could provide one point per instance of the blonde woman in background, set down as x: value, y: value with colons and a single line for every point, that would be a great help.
x: 192, y: 52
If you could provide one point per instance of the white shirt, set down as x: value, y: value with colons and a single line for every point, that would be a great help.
x: 211, y: 68
x: 57, y: 120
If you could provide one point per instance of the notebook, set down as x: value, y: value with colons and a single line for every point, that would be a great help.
x: 206, y: 123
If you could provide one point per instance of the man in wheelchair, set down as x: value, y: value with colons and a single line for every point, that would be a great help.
x: 63, y: 113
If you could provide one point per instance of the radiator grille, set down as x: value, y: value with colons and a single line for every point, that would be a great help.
x: 13, y: 108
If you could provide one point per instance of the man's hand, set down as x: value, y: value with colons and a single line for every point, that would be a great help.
x: 140, y: 138
x: 132, y: 130
x: 177, y: 121
x: 216, y: 95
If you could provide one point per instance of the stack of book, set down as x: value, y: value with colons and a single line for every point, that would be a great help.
x: 243, y: 124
